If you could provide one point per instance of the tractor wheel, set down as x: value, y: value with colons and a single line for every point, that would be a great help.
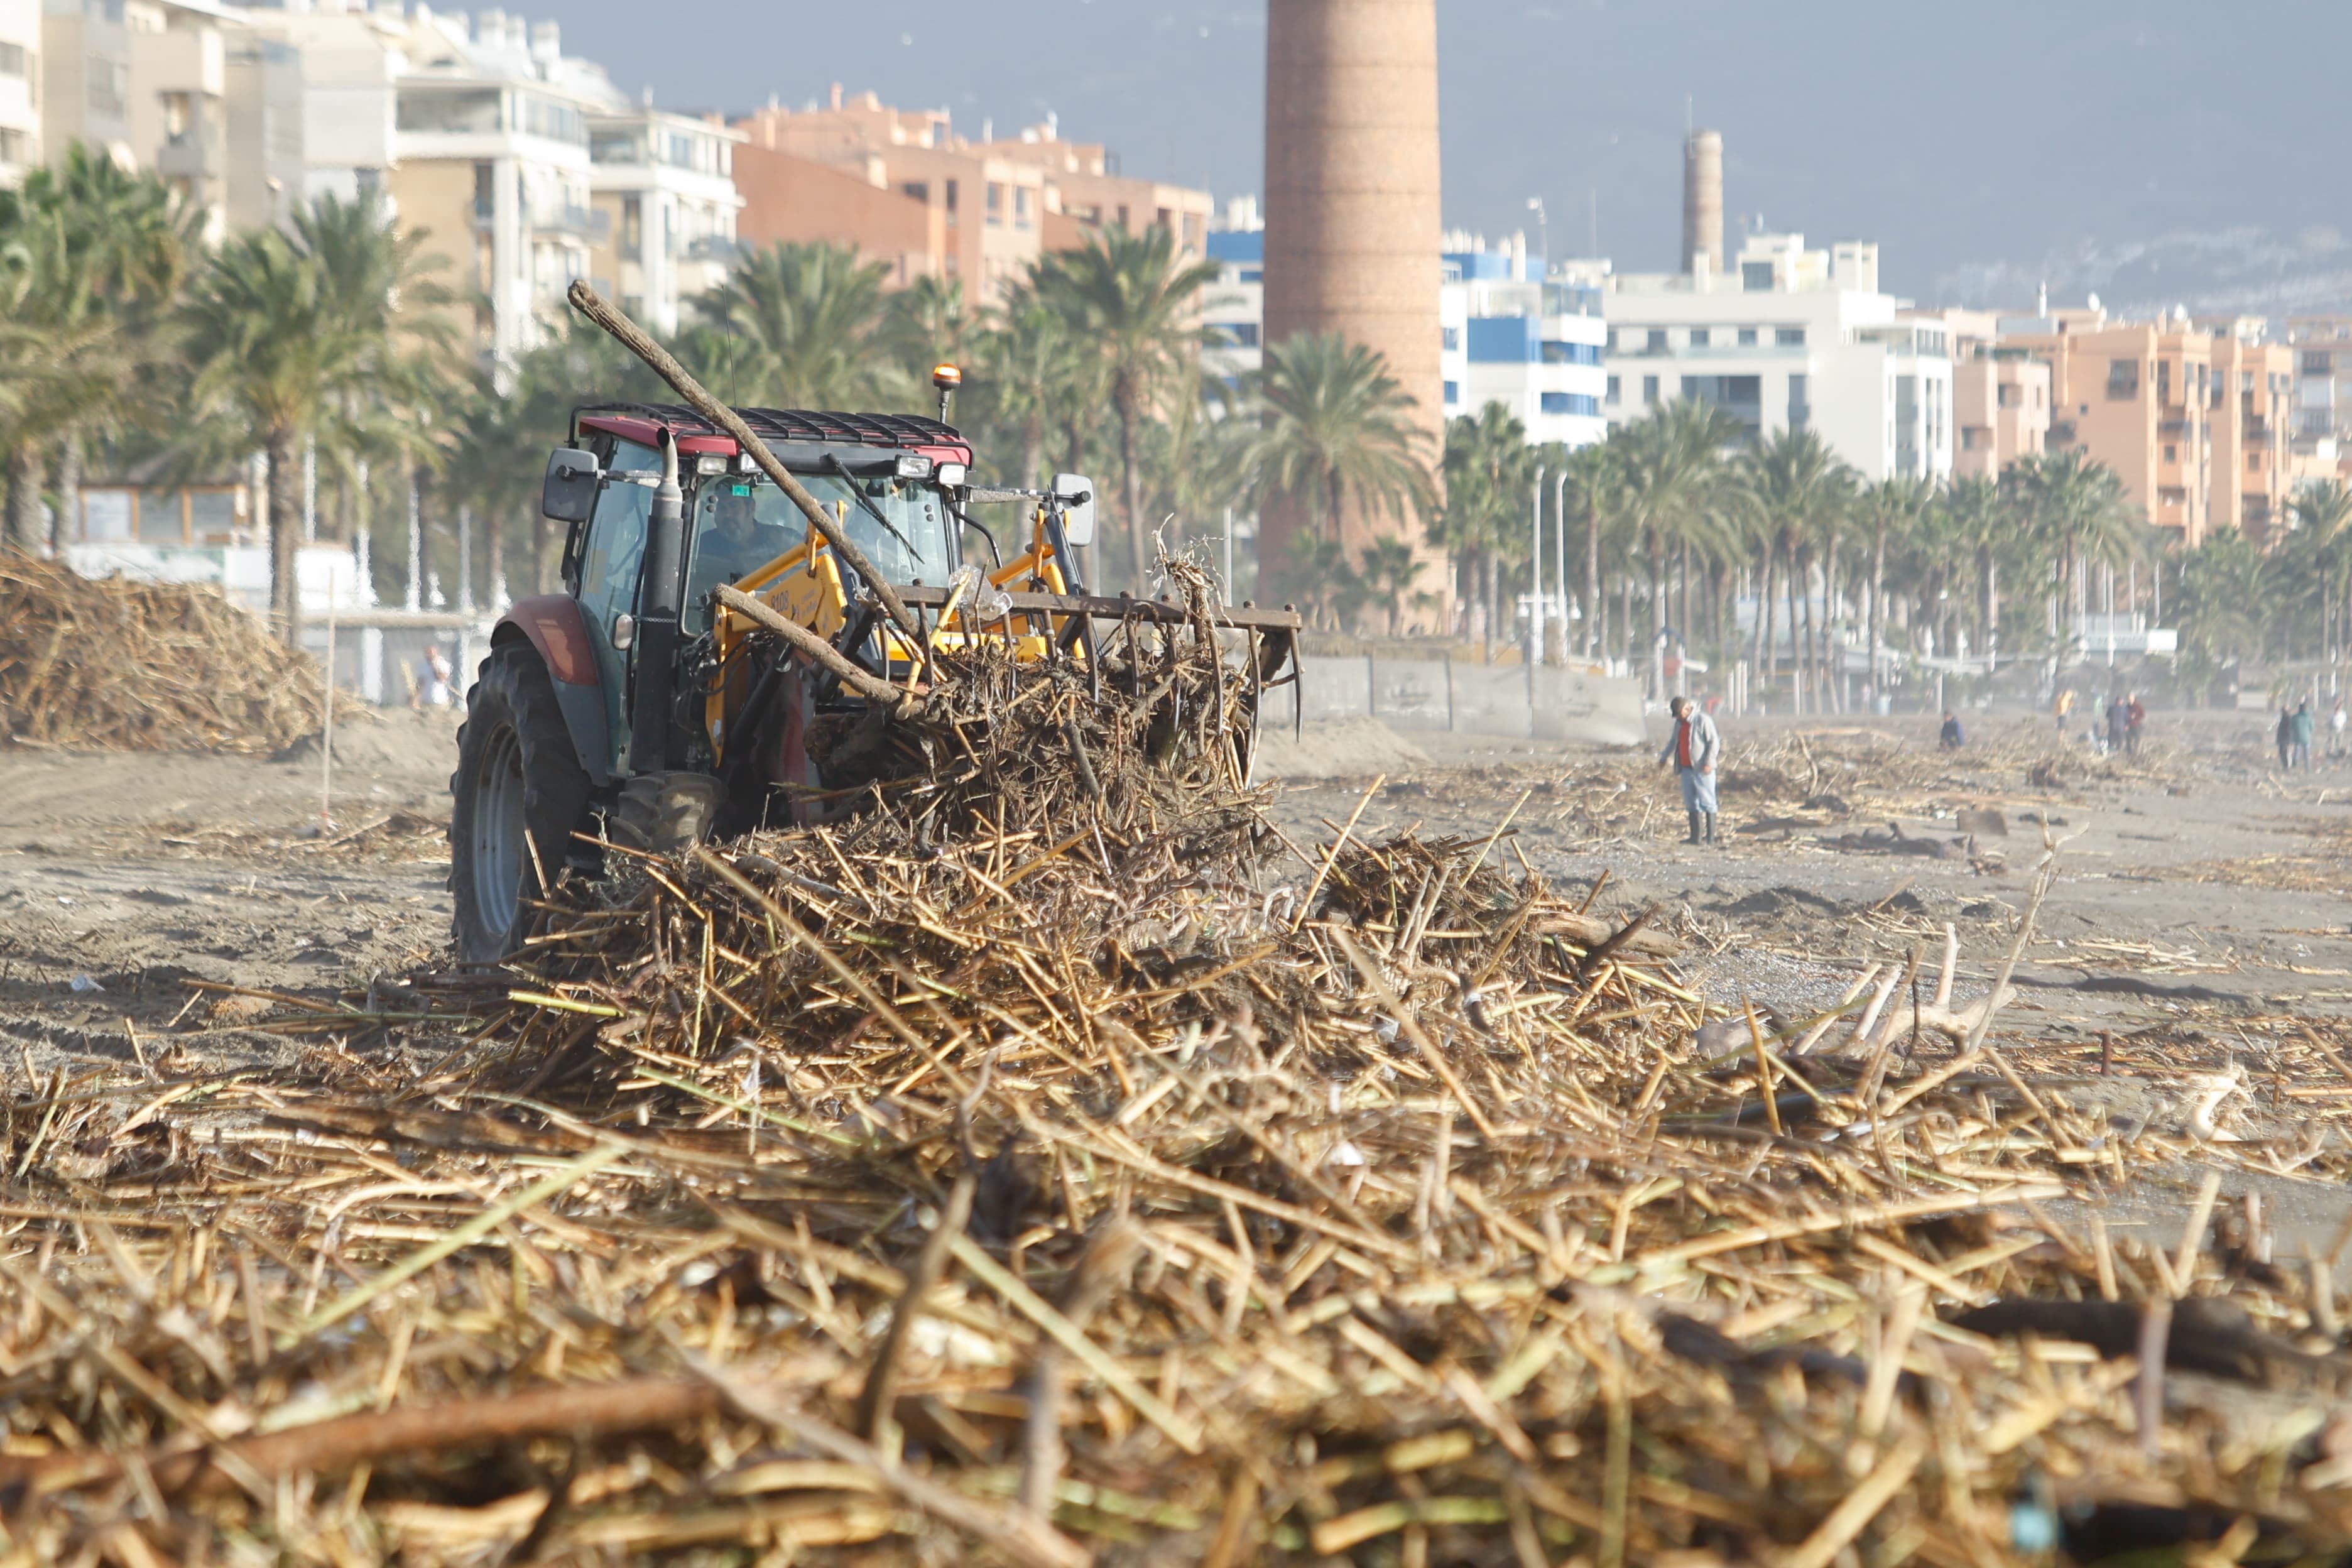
x: 518, y: 795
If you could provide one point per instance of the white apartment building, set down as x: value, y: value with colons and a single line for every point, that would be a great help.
x: 1534, y: 347
x: 1786, y: 337
x: 85, y: 78
x: 20, y: 80
x: 662, y: 230
x: 476, y: 129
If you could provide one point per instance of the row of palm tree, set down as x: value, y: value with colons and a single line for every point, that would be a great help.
x: 1775, y: 550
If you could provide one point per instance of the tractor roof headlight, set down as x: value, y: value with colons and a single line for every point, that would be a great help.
x: 914, y: 465
x: 952, y: 475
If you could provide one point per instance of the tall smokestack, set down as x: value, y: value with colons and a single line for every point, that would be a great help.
x: 1703, y: 201
x: 1351, y: 198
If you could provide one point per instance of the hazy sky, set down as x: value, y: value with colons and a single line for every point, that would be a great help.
x: 2085, y: 139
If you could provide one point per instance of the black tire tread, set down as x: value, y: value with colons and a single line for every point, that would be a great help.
x: 513, y: 687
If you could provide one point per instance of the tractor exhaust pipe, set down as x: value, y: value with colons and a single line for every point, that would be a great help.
x: 659, y: 603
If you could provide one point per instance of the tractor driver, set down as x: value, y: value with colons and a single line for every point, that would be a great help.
x: 733, y: 542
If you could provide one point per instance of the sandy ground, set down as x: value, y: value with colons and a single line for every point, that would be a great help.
x: 124, y: 878
x: 124, y: 875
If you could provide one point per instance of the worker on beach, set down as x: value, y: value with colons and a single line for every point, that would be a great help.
x: 1693, y: 749
x: 2060, y: 706
x: 1952, y: 737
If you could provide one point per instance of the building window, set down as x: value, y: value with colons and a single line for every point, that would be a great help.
x: 952, y: 200
x: 1452, y: 395
x: 1746, y: 337
x: 1450, y: 338
x: 2171, y: 454
x: 2253, y: 462
x: 1569, y: 402
x: 1021, y: 195
x: 1788, y: 337
x: 995, y: 205
x: 109, y: 85
x: 1698, y: 337
x: 2123, y: 379
x: 1649, y: 391
x: 1613, y: 389
x: 1252, y: 274
x: 1800, y: 408
x: 1238, y: 334
x: 1756, y: 275
x: 13, y: 60
x: 633, y: 223
x: 919, y: 190
x: 2314, y: 363
x: 1657, y: 340
x: 1571, y: 353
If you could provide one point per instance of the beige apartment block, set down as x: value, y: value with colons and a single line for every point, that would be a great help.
x: 1082, y: 184
x: 492, y: 162
x: 905, y: 190
x: 85, y: 78
x: 20, y: 85
x: 2001, y: 410
x: 981, y: 217
x: 2253, y: 469
x: 663, y: 228
x: 2136, y: 396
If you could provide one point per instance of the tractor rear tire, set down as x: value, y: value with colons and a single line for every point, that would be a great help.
x: 517, y: 796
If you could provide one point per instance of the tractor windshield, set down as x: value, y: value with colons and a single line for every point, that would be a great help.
x: 743, y: 523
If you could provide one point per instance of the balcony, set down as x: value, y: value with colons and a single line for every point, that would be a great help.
x: 195, y: 154
x: 2258, y: 433
x: 2175, y: 429
x: 562, y: 220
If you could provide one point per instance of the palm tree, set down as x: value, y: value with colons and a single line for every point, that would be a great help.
x: 2077, y: 506
x: 798, y: 326
x: 1594, y: 477
x: 1892, y: 509
x: 1130, y: 300
x: 2323, y: 512
x: 289, y: 334
x: 928, y: 324
x: 1327, y: 579
x: 1335, y: 425
x: 1392, y: 566
x: 1795, y: 482
x: 1489, y: 472
x: 91, y: 255
x: 1673, y: 495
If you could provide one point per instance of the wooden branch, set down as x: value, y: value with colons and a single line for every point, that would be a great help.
x: 1591, y: 932
x: 322, y: 1448
x: 867, y: 684
x: 632, y: 337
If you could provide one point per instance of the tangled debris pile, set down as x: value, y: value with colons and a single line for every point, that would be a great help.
x: 1101, y: 1183
x: 113, y: 664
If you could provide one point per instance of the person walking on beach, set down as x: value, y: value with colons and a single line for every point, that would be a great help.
x: 1952, y: 737
x: 2336, y: 730
x: 2304, y: 727
x: 2060, y: 706
x: 1691, y: 749
x: 2118, y: 716
x: 2284, y: 736
x: 2135, y: 715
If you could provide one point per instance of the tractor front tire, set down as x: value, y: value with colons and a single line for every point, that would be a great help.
x: 517, y: 796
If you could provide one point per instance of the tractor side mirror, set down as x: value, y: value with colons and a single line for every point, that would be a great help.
x: 569, y: 494
x: 1076, y: 494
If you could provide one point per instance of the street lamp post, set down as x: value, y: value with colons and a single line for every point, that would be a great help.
x: 1534, y: 567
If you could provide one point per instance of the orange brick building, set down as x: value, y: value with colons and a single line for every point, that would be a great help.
x: 904, y: 189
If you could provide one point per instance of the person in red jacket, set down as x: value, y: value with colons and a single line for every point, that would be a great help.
x: 1692, y: 750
